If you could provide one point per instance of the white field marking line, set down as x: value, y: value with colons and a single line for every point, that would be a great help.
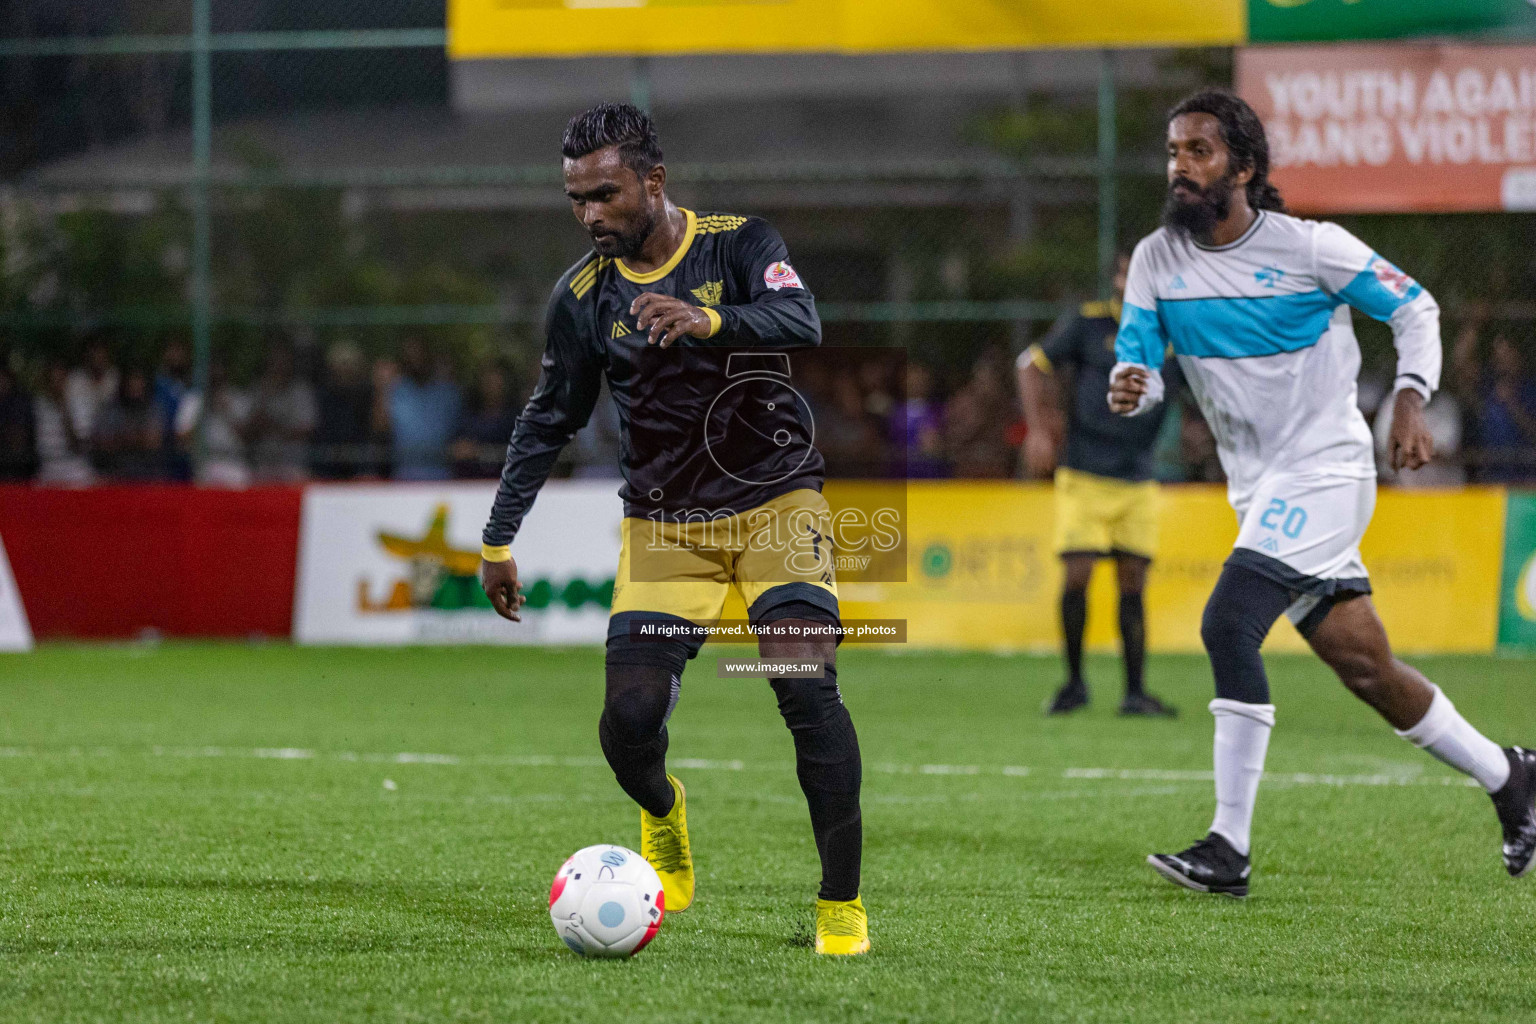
x: 733, y: 765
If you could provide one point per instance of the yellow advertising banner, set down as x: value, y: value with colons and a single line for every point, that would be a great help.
x: 571, y: 28
x: 981, y: 572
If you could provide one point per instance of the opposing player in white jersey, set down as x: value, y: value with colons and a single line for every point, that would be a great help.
x: 1256, y: 305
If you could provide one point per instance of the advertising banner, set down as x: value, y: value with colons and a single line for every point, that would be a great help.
x: 983, y: 573
x: 15, y: 633
x: 1391, y: 129
x: 1517, y: 592
x: 1298, y: 21
x: 396, y: 564
x: 569, y: 28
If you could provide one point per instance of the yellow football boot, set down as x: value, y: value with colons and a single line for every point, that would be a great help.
x: 664, y: 844
x: 842, y: 928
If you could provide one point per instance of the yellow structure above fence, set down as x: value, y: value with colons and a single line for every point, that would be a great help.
x: 571, y: 28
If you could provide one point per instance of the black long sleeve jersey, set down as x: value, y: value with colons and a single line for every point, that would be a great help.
x: 711, y: 426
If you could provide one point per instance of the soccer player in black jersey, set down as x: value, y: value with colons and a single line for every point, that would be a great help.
x: 689, y: 317
x: 1106, y: 497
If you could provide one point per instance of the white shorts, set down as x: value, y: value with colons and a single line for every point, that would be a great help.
x: 1303, y: 530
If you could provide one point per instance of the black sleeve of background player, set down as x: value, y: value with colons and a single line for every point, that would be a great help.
x: 1061, y: 343
x: 569, y: 379
x: 782, y: 318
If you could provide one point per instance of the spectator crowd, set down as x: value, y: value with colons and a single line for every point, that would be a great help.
x: 409, y: 416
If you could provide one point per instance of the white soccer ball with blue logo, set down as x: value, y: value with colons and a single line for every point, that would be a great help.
x: 606, y: 901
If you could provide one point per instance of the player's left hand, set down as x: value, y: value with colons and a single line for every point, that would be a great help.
x: 1410, y: 443
x: 665, y: 319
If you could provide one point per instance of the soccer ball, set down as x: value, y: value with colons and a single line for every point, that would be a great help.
x: 606, y: 901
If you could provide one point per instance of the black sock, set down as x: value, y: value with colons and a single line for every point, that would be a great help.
x: 633, y: 732
x: 1074, y: 619
x: 830, y: 772
x: 1133, y: 642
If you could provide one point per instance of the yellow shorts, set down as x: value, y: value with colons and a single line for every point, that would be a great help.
x: 774, y: 554
x: 1101, y: 515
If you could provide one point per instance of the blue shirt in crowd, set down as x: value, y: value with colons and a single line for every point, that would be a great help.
x: 423, y: 418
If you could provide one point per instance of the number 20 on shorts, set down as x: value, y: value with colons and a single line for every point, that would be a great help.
x: 1293, y: 522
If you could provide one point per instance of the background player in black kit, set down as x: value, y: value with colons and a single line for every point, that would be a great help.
x: 1106, y: 497
x: 722, y: 486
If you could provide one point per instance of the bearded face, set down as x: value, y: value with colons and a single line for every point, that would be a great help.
x: 1194, y: 212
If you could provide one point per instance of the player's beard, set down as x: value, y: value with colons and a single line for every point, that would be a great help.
x: 626, y: 244
x: 1197, y: 218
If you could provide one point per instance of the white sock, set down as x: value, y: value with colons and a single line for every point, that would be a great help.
x: 1449, y: 737
x: 1242, y: 740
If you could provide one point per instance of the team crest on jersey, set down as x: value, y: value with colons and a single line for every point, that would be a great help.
x: 619, y: 330
x: 1269, y: 277
x: 781, y: 275
x: 709, y: 293
x: 1392, y: 279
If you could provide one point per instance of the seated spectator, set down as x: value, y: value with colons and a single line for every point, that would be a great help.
x: 223, y: 421
x: 62, y: 448
x: 283, y: 416
x: 423, y: 414
x: 16, y: 443
x: 90, y: 387
x: 344, y: 430
x: 1443, y: 417
x: 1505, y: 415
x: 173, y: 378
x: 846, y: 434
x: 480, y: 449
x: 875, y: 385
x: 129, y: 439
x: 977, y: 418
x: 917, y: 427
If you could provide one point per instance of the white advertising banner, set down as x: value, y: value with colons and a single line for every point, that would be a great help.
x: 15, y: 632
x: 395, y: 564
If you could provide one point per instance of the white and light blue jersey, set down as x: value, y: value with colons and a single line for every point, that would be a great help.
x: 1261, y: 328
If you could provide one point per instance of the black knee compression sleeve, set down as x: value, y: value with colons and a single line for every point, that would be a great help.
x: 830, y: 772
x: 643, y: 681
x: 1237, y: 618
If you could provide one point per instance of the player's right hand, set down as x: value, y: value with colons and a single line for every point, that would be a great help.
x: 1040, y: 452
x: 499, y: 581
x: 1126, y: 389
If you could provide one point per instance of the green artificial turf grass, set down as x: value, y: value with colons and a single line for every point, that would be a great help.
x: 205, y: 833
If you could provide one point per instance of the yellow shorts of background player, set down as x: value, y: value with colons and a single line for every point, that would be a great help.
x: 1101, y: 515
x: 683, y: 568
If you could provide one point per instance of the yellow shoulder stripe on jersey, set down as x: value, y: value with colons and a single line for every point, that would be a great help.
x: 586, y: 277
x: 1101, y: 310
x: 716, y: 223
x: 671, y: 264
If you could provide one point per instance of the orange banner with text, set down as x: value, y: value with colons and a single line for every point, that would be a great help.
x: 1396, y: 128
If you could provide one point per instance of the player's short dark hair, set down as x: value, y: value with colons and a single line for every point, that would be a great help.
x: 614, y: 124
x: 1243, y: 133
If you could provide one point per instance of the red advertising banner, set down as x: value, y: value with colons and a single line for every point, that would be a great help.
x: 116, y: 561
x: 1390, y: 129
